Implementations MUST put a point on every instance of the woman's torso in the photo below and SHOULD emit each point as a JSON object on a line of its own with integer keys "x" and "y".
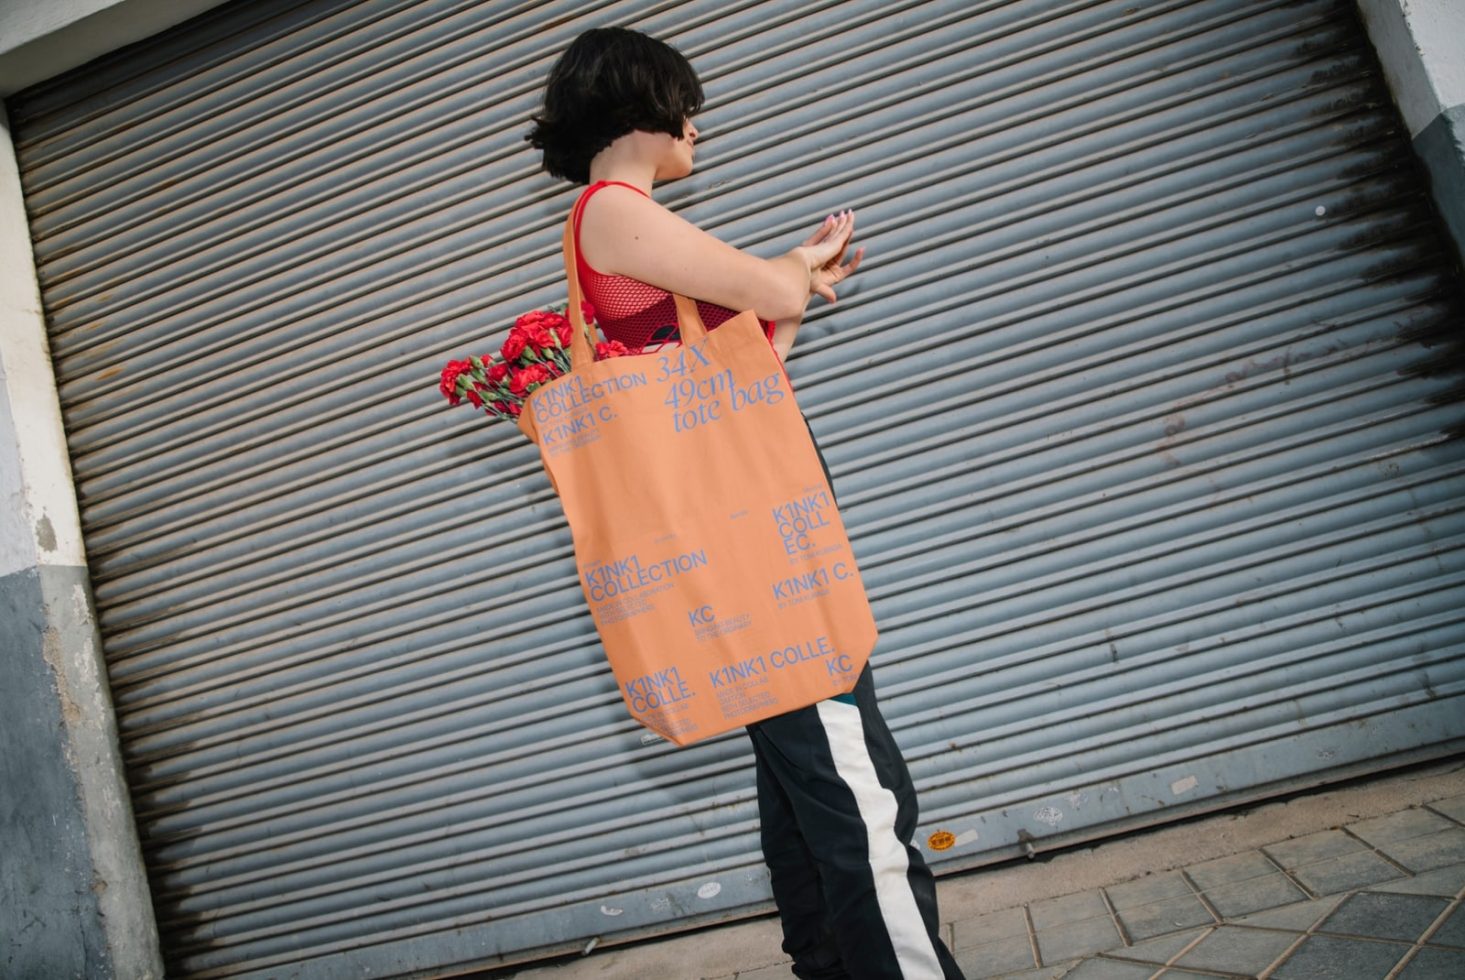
{"x": 636, "y": 313}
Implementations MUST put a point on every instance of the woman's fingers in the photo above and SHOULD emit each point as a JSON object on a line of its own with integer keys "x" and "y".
{"x": 829, "y": 275}
{"x": 835, "y": 237}
{"x": 838, "y": 225}
{"x": 827, "y": 247}
{"x": 819, "y": 232}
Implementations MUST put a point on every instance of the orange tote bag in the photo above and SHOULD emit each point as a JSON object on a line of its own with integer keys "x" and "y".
{"x": 708, "y": 544}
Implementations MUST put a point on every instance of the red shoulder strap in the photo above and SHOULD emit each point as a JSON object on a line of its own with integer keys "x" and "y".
{"x": 579, "y": 209}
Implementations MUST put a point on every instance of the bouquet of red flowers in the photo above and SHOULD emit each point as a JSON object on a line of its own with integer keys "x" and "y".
{"x": 536, "y": 352}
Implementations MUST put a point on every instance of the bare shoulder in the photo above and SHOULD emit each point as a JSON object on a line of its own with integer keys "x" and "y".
{"x": 617, "y": 220}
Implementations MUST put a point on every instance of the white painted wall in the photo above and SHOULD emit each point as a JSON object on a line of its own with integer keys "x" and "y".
{"x": 1422, "y": 46}
{"x": 22, "y": 21}
{"x": 42, "y": 38}
{"x": 39, "y": 521}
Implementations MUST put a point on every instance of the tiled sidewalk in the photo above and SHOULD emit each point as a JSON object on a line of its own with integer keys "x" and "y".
{"x": 1360, "y": 880}
{"x": 1375, "y": 899}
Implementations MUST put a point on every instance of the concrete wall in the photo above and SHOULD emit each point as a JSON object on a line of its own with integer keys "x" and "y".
{"x": 42, "y": 38}
{"x": 1421, "y": 44}
{"x": 74, "y": 898}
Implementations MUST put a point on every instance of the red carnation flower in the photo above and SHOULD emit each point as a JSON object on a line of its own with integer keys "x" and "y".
{"x": 449, "y": 384}
{"x": 546, "y": 330}
{"x": 611, "y": 348}
{"x": 515, "y": 344}
{"x": 526, "y": 379}
{"x": 542, "y": 337}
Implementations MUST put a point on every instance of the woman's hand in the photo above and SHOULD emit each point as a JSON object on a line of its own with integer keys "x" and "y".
{"x": 825, "y": 251}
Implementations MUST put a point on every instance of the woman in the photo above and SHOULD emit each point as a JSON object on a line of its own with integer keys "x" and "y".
{"x": 835, "y": 800}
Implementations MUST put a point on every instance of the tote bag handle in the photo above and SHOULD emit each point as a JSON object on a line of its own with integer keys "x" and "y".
{"x": 689, "y": 321}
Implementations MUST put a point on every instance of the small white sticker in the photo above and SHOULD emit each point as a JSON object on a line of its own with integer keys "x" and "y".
{"x": 710, "y": 890}
{"x": 1184, "y": 785}
{"x": 965, "y": 837}
{"x": 1319, "y": 210}
{"x": 608, "y": 910}
{"x": 1049, "y": 815}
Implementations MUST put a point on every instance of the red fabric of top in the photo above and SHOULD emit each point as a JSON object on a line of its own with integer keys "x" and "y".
{"x": 636, "y": 313}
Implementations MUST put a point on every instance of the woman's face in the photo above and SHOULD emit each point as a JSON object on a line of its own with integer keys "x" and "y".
{"x": 678, "y": 155}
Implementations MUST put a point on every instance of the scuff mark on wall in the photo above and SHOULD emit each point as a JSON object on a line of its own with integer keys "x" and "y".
{"x": 45, "y": 534}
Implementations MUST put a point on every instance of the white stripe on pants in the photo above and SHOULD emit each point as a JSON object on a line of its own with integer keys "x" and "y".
{"x": 888, "y": 863}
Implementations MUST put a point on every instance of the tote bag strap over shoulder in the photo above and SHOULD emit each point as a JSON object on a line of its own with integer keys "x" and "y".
{"x": 581, "y": 351}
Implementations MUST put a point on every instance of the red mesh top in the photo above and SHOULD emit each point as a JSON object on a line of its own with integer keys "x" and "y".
{"x": 636, "y": 313}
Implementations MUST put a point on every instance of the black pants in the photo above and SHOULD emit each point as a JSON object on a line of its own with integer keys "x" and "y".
{"x": 838, "y": 812}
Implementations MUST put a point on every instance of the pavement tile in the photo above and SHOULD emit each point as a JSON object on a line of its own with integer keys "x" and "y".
{"x": 1174, "y": 974}
{"x": 1331, "y": 958}
{"x": 1445, "y": 882}
{"x": 1346, "y": 873}
{"x": 1298, "y": 918}
{"x": 1151, "y": 888}
{"x": 1413, "y": 822}
{"x": 1099, "y": 968}
{"x": 1385, "y": 916}
{"x": 1262, "y": 892}
{"x": 992, "y": 959}
{"x": 1237, "y": 949}
{"x": 1435, "y": 964}
{"x": 1068, "y": 940}
{"x": 1452, "y": 933}
{"x": 1429, "y": 851}
{"x": 1454, "y": 808}
{"x": 990, "y": 928}
{"x": 1068, "y": 908}
{"x": 1312, "y": 848}
{"x": 1161, "y": 949}
{"x": 779, "y": 971}
{"x": 1246, "y": 866}
{"x": 1050, "y": 972}
{"x": 1166, "y": 915}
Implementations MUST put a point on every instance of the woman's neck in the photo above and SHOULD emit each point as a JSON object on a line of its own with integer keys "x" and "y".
{"x": 624, "y": 161}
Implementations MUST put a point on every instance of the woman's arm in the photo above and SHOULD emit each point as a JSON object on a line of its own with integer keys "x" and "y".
{"x": 784, "y": 332}
{"x": 625, "y": 233}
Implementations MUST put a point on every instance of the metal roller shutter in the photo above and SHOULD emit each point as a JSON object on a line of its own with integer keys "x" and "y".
{"x": 1143, "y": 415}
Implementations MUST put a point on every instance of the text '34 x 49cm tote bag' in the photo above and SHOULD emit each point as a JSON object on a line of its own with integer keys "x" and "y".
{"x": 708, "y": 543}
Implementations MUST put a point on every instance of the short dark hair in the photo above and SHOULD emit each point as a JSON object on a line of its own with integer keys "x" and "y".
{"x": 608, "y": 82}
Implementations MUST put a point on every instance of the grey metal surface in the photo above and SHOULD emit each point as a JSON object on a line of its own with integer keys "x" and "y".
{"x": 1143, "y": 415}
